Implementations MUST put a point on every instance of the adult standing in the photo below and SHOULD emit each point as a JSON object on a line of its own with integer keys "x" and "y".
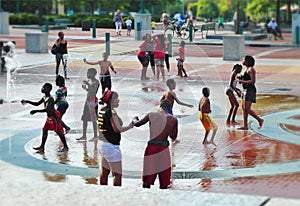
{"x": 61, "y": 52}
{"x": 221, "y": 22}
{"x": 274, "y": 28}
{"x": 248, "y": 79}
{"x": 167, "y": 56}
{"x": 110, "y": 129}
{"x": 157, "y": 159}
{"x": 190, "y": 17}
{"x": 164, "y": 19}
{"x": 159, "y": 55}
{"x": 118, "y": 22}
{"x": 150, "y": 51}
{"x": 144, "y": 57}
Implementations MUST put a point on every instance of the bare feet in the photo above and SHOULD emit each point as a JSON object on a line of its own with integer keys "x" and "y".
{"x": 228, "y": 123}
{"x": 205, "y": 142}
{"x": 68, "y": 129}
{"x": 64, "y": 149}
{"x": 235, "y": 123}
{"x": 93, "y": 139}
{"x": 41, "y": 151}
{"x": 261, "y": 122}
{"x": 243, "y": 128}
{"x": 81, "y": 139}
{"x": 38, "y": 148}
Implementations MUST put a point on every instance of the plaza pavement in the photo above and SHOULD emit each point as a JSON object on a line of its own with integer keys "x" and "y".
{"x": 255, "y": 167}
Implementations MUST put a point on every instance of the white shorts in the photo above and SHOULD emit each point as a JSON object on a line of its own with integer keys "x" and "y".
{"x": 111, "y": 152}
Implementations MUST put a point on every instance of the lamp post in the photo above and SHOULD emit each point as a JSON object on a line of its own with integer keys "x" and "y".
{"x": 142, "y": 11}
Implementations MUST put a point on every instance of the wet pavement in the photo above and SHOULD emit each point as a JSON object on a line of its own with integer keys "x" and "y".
{"x": 254, "y": 162}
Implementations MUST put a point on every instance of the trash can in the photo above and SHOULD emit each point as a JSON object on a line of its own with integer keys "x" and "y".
{"x": 86, "y": 25}
{"x": 241, "y": 29}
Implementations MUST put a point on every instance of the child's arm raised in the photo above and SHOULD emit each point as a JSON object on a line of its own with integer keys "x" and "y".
{"x": 23, "y": 101}
{"x": 180, "y": 102}
{"x": 48, "y": 109}
{"x": 91, "y": 63}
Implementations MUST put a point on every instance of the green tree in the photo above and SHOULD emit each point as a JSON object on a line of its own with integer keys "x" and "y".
{"x": 207, "y": 9}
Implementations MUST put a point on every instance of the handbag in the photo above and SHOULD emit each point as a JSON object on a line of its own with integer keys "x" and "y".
{"x": 53, "y": 49}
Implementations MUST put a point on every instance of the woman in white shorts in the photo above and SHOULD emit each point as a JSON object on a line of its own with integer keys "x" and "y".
{"x": 110, "y": 128}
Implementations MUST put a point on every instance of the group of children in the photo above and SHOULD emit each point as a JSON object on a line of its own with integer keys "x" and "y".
{"x": 155, "y": 50}
{"x": 54, "y": 116}
{"x": 107, "y": 120}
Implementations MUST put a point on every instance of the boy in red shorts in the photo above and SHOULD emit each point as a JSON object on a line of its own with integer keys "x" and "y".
{"x": 53, "y": 121}
{"x": 157, "y": 159}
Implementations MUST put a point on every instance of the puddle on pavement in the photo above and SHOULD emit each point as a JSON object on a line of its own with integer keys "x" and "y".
{"x": 235, "y": 148}
{"x": 275, "y": 103}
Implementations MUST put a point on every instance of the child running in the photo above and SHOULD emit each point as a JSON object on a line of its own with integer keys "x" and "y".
{"x": 53, "y": 121}
{"x": 207, "y": 122}
{"x": 91, "y": 104}
{"x": 128, "y": 23}
{"x": 180, "y": 59}
{"x": 104, "y": 71}
{"x": 61, "y": 100}
{"x": 229, "y": 91}
{"x": 171, "y": 96}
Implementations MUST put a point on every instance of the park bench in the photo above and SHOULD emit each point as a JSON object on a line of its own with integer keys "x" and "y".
{"x": 63, "y": 22}
{"x": 206, "y": 27}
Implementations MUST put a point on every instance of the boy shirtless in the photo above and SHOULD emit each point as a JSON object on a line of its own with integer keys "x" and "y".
{"x": 171, "y": 96}
{"x": 104, "y": 71}
{"x": 90, "y": 110}
{"x": 53, "y": 121}
{"x": 207, "y": 122}
{"x": 157, "y": 159}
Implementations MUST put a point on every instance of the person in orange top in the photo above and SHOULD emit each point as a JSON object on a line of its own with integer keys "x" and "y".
{"x": 180, "y": 59}
{"x": 207, "y": 122}
{"x": 171, "y": 96}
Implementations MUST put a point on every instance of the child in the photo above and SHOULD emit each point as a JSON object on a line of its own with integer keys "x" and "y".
{"x": 171, "y": 96}
{"x": 207, "y": 122}
{"x": 91, "y": 104}
{"x": 229, "y": 91}
{"x": 180, "y": 59}
{"x": 61, "y": 101}
{"x": 53, "y": 121}
{"x": 104, "y": 71}
{"x": 143, "y": 56}
{"x": 128, "y": 23}
{"x": 159, "y": 55}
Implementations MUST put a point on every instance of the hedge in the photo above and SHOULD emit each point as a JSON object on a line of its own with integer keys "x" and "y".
{"x": 102, "y": 21}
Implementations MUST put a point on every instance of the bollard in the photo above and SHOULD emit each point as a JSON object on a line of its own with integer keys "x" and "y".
{"x": 297, "y": 34}
{"x": 46, "y": 27}
{"x": 94, "y": 28}
{"x": 107, "y": 43}
{"x": 191, "y": 32}
{"x": 138, "y": 31}
{"x": 170, "y": 44}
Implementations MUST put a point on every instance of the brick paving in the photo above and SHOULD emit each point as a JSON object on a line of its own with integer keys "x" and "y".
{"x": 278, "y": 68}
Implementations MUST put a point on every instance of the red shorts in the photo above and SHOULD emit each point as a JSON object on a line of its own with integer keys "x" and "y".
{"x": 54, "y": 124}
{"x": 157, "y": 161}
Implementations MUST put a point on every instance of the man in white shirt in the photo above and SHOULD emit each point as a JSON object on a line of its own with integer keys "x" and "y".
{"x": 275, "y": 30}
